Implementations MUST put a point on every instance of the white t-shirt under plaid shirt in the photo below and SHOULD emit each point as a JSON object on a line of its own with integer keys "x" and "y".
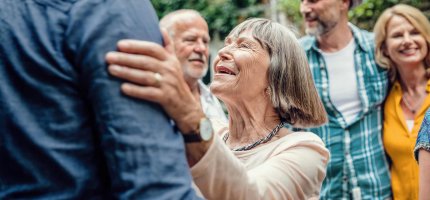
{"x": 358, "y": 166}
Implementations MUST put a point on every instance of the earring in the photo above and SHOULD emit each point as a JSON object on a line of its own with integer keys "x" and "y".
{"x": 268, "y": 91}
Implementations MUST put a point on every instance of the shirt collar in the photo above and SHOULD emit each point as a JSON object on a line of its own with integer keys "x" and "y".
{"x": 396, "y": 85}
{"x": 204, "y": 91}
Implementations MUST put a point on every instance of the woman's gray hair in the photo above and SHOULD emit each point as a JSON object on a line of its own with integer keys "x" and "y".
{"x": 292, "y": 90}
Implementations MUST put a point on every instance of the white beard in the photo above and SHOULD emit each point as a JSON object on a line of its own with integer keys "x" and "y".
{"x": 194, "y": 74}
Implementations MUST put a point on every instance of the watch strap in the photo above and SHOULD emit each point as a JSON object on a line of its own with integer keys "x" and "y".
{"x": 191, "y": 138}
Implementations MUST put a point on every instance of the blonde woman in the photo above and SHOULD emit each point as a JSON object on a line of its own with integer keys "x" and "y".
{"x": 402, "y": 36}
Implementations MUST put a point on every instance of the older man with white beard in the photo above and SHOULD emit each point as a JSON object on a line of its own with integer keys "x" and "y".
{"x": 190, "y": 36}
{"x": 352, "y": 87}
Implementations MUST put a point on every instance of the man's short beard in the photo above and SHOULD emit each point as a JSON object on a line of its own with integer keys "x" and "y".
{"x": 316, "y": 31}
{"x": 321, "y": 29}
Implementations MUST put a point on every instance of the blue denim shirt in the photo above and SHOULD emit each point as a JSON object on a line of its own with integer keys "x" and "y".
{"x": 423, "y": 140}
{"x": 66, "y": 131}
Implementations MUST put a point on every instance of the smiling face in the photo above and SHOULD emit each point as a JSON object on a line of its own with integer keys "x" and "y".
{"x": 191, "y": 41}
{"x": 404, "y": 44}
{"x": 241, "y": 64}
{"x": 321, "y": 16}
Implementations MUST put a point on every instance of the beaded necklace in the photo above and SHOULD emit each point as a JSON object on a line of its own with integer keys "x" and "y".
{"x": 258, "y": 142}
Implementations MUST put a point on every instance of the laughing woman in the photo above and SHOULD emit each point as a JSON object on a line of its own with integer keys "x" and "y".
{"x": 263, "y": 77}
{"x": 402, "y": 35}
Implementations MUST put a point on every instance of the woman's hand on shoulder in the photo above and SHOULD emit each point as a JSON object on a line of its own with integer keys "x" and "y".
{"x": 154, "y": 73}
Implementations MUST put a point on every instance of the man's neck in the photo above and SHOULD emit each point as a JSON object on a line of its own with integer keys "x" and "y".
{"x": 195, "y": 88}
{"x": 336, "y": 39}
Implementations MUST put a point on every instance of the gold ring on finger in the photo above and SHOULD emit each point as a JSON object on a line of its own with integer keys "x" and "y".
{"x": 158, "y": 78}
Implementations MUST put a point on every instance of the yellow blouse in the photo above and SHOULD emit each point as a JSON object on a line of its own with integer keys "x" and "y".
{"x": 399, "y": 144}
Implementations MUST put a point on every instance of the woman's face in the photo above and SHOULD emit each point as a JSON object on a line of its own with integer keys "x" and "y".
{"x": 405, "y": 45}
{"x": 240, "y": 68}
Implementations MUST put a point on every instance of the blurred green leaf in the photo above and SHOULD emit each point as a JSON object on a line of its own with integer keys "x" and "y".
{"x": 221, "y": 15}
{"x": 364, "y": 16}
{"x": 224, "y": 15}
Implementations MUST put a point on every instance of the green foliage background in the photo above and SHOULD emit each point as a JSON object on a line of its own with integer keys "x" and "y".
{"x": 223, "y": 15}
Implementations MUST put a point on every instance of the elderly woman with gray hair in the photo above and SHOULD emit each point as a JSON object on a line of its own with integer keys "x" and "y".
{"x": 263, "y": 78}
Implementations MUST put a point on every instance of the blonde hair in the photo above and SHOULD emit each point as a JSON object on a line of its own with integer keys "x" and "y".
{"x": 416, "y": 18}
{"x": 292, "y": 90}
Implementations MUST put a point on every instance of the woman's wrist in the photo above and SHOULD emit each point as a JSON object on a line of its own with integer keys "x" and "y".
{"x": 190, "y": 122}
{"x": 196, "y": 151}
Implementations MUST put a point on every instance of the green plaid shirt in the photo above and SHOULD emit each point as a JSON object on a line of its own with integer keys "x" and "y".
{"x": 358, "y": 161}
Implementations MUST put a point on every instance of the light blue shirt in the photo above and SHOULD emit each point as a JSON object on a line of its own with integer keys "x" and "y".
{"x": 210, "y": 104}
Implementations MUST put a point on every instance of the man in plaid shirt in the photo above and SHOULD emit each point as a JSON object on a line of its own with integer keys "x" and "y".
{"x": 352, "y": 87}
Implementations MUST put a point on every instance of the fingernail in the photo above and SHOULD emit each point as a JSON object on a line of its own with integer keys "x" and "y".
{"x": 115, "y": 68}
{"x": 111, "y": 56}
{"x": 123, "y": 44}
{"x": 126, "y": 88}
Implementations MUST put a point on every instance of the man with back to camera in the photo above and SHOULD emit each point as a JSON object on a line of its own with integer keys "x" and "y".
{"x": 352, "y": 87}
{"x": 190, "y": 36}
{"x": 66, "y": 131}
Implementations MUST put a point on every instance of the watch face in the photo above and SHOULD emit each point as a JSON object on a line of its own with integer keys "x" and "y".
{"x": 206, "y": 129}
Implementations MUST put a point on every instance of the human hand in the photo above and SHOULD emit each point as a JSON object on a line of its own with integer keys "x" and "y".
{"x": 155, "y": 75}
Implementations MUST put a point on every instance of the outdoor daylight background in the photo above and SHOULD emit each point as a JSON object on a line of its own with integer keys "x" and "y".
{"x": 223, "y": 15}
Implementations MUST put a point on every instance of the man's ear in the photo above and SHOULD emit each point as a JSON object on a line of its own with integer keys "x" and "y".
{"x": 346, "y": 4}
{"x": 168, "y": 41}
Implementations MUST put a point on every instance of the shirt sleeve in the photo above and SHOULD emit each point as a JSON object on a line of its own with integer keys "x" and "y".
{"x": 423, "y": 140}
{"x": 145, "y": 157}
{"x": 296, "y": 171}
